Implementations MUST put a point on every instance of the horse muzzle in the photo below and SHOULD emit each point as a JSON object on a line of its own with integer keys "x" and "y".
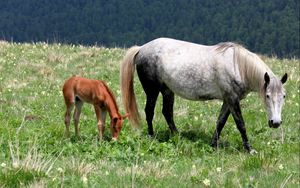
{"x": 274, "y": 124}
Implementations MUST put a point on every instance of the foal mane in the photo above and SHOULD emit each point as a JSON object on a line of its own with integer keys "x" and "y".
{"x": 250, "y": 66}
{"x": 110, "y": 93}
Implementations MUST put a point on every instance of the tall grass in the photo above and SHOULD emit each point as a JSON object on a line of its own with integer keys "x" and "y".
{"x": 35, "y": 153}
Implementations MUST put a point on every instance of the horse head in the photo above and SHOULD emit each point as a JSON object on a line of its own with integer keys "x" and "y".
{"x": 274, "y": 95}
{"x": 116, "y": 126}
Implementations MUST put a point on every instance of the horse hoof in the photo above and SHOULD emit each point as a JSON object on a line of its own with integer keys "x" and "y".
{"x": 150, "y": 136}
{"x": 214, "y": 143}
{"x": 253, "y": 152}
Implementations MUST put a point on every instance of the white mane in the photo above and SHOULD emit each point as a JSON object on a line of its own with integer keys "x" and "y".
{"x": 251, "y": 67}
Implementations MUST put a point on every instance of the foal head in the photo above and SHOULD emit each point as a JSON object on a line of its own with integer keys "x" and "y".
{"x": 116, "y": 126}
{"x": 274, "y": 95}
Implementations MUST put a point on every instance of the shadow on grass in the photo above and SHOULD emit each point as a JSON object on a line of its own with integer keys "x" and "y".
{"x": 193, "y": 136}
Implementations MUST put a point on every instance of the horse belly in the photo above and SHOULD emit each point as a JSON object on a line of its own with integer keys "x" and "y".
{"x": 208, "y": 91}
{"x": 192, "y": 84}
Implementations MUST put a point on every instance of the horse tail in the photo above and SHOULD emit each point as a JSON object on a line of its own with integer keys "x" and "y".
{"x": 126, "y": 82}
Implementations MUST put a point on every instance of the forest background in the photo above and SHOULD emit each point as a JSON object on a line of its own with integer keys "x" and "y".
{"x": 263, "y": 26}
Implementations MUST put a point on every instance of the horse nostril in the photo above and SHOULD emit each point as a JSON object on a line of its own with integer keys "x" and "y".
{"x": 271, "y": 121}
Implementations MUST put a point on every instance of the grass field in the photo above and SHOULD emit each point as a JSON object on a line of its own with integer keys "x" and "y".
{"x": 35, "y": 153}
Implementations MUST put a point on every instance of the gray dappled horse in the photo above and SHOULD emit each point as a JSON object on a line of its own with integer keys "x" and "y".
{"x": 225, "y": 71}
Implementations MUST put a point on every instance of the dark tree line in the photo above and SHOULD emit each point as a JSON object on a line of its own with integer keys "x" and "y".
{"x": 263, "y": 26}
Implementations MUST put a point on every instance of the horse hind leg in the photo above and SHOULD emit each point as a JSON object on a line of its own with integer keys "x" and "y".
{"x": 69, "y": 107}
{"x": 167, "y": 110}
{"x": 78, "y": 106}
{"x": 149, "y": 109}
{"x": 151, "y": 86}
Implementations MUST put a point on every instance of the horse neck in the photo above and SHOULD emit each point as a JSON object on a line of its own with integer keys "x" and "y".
{"x": 111, "y": 104}
{"x": 252, "y": 70}
{"x": 256, "y": 83}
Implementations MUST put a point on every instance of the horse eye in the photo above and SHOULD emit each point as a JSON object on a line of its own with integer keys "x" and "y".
{"x": 268, "y": 96}
{"x": 283, "y": 96}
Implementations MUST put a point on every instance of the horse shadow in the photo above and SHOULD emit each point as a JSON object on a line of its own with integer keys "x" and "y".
{"x": 190, "y": 135}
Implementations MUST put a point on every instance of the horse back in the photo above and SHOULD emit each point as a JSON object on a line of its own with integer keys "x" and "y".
{"x": 192, "y": 71}
{"x": 87, "y": 90}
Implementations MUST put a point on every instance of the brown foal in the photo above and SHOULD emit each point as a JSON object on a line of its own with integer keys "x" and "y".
{"x": 78, "y": 90}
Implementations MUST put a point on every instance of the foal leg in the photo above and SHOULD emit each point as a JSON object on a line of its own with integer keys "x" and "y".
{"x": 69, "y": 101}
{"x": 149, "y": 109}
{"x": 103, "y": 119}
{"x": 236, "y": 112}
{"x": 220, "y": 124}
{"x": 78, "y": 106}
{"x": 168, "y": 104}
{"x": 68, "y": 117}
{"x": 100, "y": 121}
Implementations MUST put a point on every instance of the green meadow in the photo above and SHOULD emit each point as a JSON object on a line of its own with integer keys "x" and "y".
{"x": 35, "y": 153}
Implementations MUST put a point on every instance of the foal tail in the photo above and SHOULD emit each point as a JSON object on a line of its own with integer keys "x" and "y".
{"x": 126, "y": 82}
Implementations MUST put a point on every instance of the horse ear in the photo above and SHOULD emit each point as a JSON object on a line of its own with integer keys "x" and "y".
{"x": 284, "y": 78}
{"x": 267, "y": 79}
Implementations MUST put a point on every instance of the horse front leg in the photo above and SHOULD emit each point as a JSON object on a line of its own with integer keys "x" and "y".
{"x": 236, "y": 112}
{"x": 103, "y": 120}
{"x": 224, "y": 113}
{"x": 100, "y": 121}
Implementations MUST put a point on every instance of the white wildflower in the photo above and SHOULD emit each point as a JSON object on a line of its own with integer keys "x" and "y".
{"x": 206, "y": 182}
{"x": 15, "y": 164}
{"x": 60, "y": 170}
{"x": 84, "y": 179}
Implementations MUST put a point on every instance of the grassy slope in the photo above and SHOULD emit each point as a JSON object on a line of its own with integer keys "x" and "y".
{"x": 35, "y": 153}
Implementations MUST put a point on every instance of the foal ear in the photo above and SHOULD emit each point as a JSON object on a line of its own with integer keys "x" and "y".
{"x": 125, "y": 116}
{"x": 115, "y": 119}
{"x": 284, "y": 78}
{"x": 267, "y": 79}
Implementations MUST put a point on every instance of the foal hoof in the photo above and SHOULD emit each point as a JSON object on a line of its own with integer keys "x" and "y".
{"x": 253, "y": 152}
